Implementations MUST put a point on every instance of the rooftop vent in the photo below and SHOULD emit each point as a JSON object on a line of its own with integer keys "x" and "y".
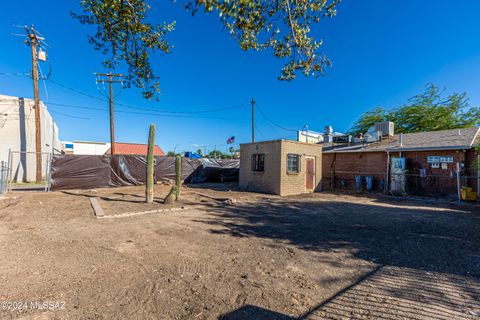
{"x": 386, "y": 128}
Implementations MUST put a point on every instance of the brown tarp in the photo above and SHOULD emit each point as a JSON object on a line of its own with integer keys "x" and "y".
{"x": 80, "y": 172}
{"x": 128, "y": 170}
{"x": 88, "y": 171}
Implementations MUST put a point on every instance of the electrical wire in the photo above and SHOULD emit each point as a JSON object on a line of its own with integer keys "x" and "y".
{"x": 44, "y": 83}
{"x": 13, "y": 74}
{"x": 183, "y": 112}
{"x": 74, "y": 116}
{"x": 271, "y": 121}
{"x": 147, "y": 109}
{"x": 77, "y": 91}
{"x": 144, "y": 113}
{"x": 257, "y": 129}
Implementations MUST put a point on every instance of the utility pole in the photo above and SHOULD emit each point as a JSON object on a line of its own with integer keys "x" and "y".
{"x": 33, "y": 41}
{"x": 110, "y": 77}
{"x": 253, "y": 120}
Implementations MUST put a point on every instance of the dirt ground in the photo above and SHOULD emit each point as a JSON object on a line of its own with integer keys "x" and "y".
{"x": 319, "y": 256}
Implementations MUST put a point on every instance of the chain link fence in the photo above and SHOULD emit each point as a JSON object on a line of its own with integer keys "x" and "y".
{"x": 446, "y": 186}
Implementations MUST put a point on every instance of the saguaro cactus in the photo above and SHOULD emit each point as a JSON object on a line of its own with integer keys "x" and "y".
{"x": 178, "y": 174}
{"x": 151, "y": 145}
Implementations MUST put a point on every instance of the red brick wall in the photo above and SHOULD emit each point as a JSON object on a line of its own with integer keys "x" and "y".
{"x": 349, "y": 165}
{"x": 441, "y": 182}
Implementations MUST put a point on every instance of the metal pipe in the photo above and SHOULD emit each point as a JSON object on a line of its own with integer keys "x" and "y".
{"x": 387, "y": 173}
{"x": 478, "y": 176}
{"x": 2, "y": 177}
{"x": 9, "y": 168}
{"x": 459, "y": 183}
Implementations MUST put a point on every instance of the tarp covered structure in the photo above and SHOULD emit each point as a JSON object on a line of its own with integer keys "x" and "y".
{"x": 91, "y": 171}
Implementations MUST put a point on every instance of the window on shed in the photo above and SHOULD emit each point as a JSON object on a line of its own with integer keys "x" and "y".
{"x": 293, "y": 163}
{"x": 258, "y": 162}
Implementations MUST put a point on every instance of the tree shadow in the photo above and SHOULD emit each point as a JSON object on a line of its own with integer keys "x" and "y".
{"x": 397, "y": 236}
{"x": 249, "y": 312}
{"x": 427, "y": 262}
{"x": 141, "y": 199}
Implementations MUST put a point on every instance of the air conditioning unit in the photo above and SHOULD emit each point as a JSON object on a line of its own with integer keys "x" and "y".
{"x": 386, "y": 128}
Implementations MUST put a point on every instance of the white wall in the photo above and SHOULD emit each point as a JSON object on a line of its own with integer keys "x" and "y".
{"x": 90, "y": 147}
{"x": 17, "y": 133}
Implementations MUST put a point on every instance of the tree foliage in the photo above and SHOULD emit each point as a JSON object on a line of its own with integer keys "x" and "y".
{"x": 173, "y": 154}
{"x": 284, "y": 26}
{"x": 430, "y": 110}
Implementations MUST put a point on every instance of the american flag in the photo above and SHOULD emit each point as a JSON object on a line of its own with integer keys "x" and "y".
{"x": 231, "y": 140}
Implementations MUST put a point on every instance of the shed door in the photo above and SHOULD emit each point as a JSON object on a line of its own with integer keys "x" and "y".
{"x": 310, "y": 177}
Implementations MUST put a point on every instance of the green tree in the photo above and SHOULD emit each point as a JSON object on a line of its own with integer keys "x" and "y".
{"x": 282, "y": 26}
{"x": 368, "y": 119}
{"x": 215, "y": 154}
{"x": 200, "y": 152}
{"x": 430, "y": 110}
{"x": 172, "y": 154}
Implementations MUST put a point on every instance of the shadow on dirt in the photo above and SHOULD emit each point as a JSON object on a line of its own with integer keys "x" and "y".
{"x": 404, "y": 237}
{"x": 406, "y": 244}
{"x": 116, "y": 197}
{"x": 249, "y": 312}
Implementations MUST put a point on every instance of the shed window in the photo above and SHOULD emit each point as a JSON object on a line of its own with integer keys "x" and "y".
{"x": 258, "y": 162}
{"x": 293, "y": 163}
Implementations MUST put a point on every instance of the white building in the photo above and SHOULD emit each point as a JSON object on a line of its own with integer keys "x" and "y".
{"x": 86, "y": 147}
{"x": 17, "y": 134}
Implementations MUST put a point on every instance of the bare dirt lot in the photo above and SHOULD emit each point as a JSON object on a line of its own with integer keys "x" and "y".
{"x": 319, "y": 256}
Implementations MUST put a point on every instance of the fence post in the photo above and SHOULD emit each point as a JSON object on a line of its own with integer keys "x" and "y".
{"x": 9, "y": 168}
{"x": 478, "y": 177}
{"x": 2, "y": 177}
{"x": 459, "y": 193}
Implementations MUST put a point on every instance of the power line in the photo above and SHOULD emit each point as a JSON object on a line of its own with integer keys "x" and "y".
{"x": 272, "y": 122}
{"x": 77, "y": 91}
{"x": 260, "y": 132}
{"x": 184, "y": 112}
{"x": 73, "y": 116}
{"x": 144, "y": 113}
{"x": 147, "y": 109}
{"x": 13, "y": 74}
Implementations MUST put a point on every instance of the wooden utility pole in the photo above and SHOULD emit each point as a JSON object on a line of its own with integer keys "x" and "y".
{"x": 33, "y": 41}
{"x": 253, "y": 120}
{"x": 110, "y": 78}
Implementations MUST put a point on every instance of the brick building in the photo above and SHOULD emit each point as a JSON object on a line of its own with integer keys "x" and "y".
{"x": 281, "y": 167}
{"x": 431, "y": 160}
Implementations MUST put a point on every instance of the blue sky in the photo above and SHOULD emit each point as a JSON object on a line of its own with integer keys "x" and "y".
{"x": 383, "y": 52}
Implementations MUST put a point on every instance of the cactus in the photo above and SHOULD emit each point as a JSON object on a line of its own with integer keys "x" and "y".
{"x": 151, "y": 144}
{"x": 178, "y": 174}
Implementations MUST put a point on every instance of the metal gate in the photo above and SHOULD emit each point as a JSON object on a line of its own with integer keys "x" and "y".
{"x": 20, "y": 172}
{"x": 3, "y": 177}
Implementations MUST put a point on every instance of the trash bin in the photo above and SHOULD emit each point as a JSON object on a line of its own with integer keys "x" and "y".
{"x": 369, "y": 182}
{"x": 467, "y": 194}
{"x": 358, "y": 183}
